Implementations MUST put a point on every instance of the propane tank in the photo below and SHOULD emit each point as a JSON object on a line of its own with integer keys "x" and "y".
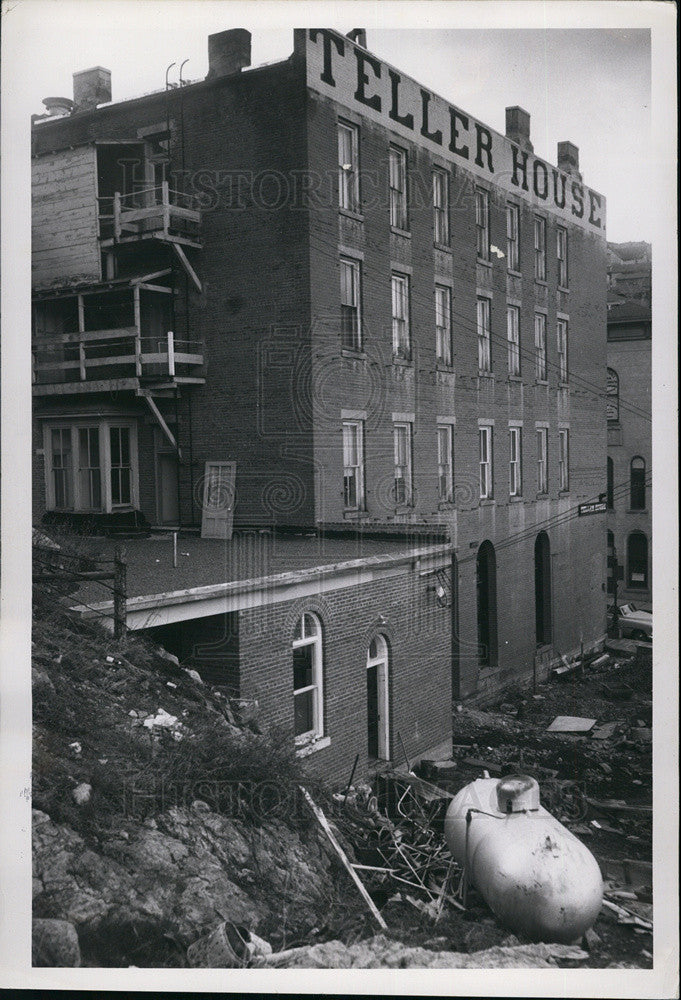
{"x": 535, "y": 876}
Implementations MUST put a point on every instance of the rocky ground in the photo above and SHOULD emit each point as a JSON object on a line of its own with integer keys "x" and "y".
{"x": 149, "y": 837}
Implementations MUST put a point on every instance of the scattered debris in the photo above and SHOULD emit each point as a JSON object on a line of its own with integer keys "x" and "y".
{"x": 570, "y": 724}
{"x": 162, "y": 719}
{"x": 81, "y": 794}
{"x": 229, "y": 946}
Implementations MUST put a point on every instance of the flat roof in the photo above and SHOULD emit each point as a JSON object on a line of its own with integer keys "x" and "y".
{"x": 249, "y": 556}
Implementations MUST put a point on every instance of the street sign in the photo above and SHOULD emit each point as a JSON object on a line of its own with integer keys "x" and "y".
{"x": 591, "y": 508}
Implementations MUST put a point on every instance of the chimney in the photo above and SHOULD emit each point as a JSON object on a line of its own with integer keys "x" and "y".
{"x": 568, "y": 159}
{"x": 358, "y": 36}
{"x": 518, "y": 127}
{"x": 228, "y": 52}
{"x": 56, "y": 107}
{"x": 90, "y": 88}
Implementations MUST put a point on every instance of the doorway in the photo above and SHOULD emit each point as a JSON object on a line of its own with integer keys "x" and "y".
{"x": 167, "y": 509}
{"x": 378, "y": 728}
{"x": 542, "y": 588}
{"x": 487, "y": 605}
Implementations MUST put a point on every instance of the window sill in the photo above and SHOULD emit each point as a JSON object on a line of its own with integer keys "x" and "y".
{"x": 348, "y": 352}
{"x": 563, "y": 385}
{"x": 400, "y": 232}
{"x": 487, "y": 502}
{"x": 563, "y": 494}
{"x": 542, "y": 282}
{"x": 441, "y": 366}
{"x": 314, "y": 744}
{"x": 515, "y": 378}
{"x": 403, "y": 362}
{"x": 483, "y": 262}
{"x": 485, "y": 374}
{"x": 516, "y": 498}
{"x": 542, "y": 496}
{"x": 562, "y": 288}
{"x": 350, "y": 214}
{"x": 445, "y": 247}
{"x": 637, "y": 510}
{"x": 541, "y": 381}
{"x": 354, "y": 512}
{"x": 446, "y": 505}
{"x": 514, "y": 273}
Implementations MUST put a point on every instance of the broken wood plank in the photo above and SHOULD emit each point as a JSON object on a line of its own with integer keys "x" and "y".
{"x": 610, "y": 805}
{"x": 324, "y": 823}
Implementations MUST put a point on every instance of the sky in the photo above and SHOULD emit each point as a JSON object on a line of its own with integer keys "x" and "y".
{"x": 590, "y": 86}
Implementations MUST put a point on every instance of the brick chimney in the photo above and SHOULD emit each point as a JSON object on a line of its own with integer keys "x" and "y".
{"x": 568, "y": 159}
{"x": 518, "y": 127}
{"x": 228, "y": 52}
{"x": 90, "y": 88}
{"x": 358, "y": 36}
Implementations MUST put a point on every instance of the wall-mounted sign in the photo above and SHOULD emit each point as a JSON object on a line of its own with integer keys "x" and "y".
{"x": 352, "y": 76}
{"x": 597, "y": 507}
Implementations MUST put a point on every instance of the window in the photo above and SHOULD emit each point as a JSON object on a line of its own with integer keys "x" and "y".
{"x": 348, "y": 167}
{"x": 486, "y": 593}
{"x": 482, "y": 223}
{"x": 398, "y": 188}
{"x": 351, "y": 337}
{"x": 353, "y": 464}
{"x": 515, "y": 465}
{"x": 400, "y": 316}
{"x": 512, "y": 236}
{"x": 637, "y": 560}
{"x": 307, "y": 678}
{"x": 638, "y": 483}
{"x": 90, "y": 467}
{"x": 540, "y": 346}
{"x": 378, "y": 701}
{"x": 445, "y": 463}
{"x": 485, "y": 449}
{"x": 612, "y": 396}
{"x": 61, "y": 467}
{"x": 403, "y": 475}
{"x": 610, "y": 484}
{"x": 539, "y": 248}
{"x": 542, "y": 460}
{"x": 563, "y": 460}
{"x": 513, "y": 336}
{"x": 443, "y": 325}
{"x": 441, "y": 207}
{"x": 562, "y": 253}
{"x": 89, "y": 470}
{"x": 562, "y": 339}
{"x": 484, "y": 357}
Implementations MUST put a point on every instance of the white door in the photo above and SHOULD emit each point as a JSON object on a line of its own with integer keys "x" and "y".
{"x": 217, "y": 513}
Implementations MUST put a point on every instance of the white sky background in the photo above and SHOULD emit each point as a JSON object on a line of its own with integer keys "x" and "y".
{"x": 589, "y": 86}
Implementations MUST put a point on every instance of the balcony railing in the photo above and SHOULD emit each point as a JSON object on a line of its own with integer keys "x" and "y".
{"x": 149, "y": 212}
{"x": 113, "y": 354}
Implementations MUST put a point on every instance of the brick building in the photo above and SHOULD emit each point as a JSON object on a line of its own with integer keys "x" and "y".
{"x": 387, "y": 319}
{"x": 629, "y": 517}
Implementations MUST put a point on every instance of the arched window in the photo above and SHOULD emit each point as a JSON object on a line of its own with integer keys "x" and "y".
{"x": 542, "y": 589}
{"x": 487, "y": 605}
{"x": 637, "y": 480}
{"x": 610, "y": 485}
{"x": 637, "y": 560}
{"x": 307, "y": 678}
{"x": 378, "y": 699}
{"x": 612, "y": 394}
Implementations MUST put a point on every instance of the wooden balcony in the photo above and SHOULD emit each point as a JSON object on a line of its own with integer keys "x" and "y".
{"x": 151, "y": 213}
{"x": 103, "y": 360}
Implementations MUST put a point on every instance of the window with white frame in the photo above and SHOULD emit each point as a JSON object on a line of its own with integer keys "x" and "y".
{"x": 515, "y": 462}
{"x": 402, "y": 436}
{"x": 542, "y": 460}
{"x": 539, "y": 248}
{"x": 486, "y": 468}
{"x": 512, "y": 236}
{"x": 351, "y": 337}
{"x": 348, "y": 167}
{"x": 445, "y": 462}
{"x": 353, "y": 464}
{"x": 513, "y": 337}
{"x": 307, "y": 678}
{"x": 562, "y": 343}
{"x": 563, "y": 459}
{"x": 441, "y": 206}
{"x": 443, "y": 324}
{"x": 562, "y": 254}
{"x": 540, "y": 346}
{"x": 399, "y": 286}
{"x": 90, "y": 466}
{"x": 482, "y": 223}
{"x": 398, "y": 187}
{"x": 483, "y": 318}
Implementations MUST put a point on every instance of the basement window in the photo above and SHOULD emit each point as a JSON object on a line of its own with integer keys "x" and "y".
{"x": 307, "y": 679}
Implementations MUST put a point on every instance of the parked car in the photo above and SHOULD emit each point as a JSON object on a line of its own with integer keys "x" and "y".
{"x": 631, "y": 621}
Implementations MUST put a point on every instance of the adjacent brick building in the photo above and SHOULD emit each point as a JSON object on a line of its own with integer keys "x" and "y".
{"x": 629, "y": 517}
{"x": 386, "y": 319}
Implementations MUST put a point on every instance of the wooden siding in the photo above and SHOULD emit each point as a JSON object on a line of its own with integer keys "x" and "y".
{"x": 64, "y": 231}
